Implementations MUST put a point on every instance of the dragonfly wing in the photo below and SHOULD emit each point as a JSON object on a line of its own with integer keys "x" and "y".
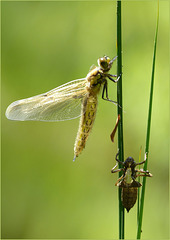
{"x": 59, "y": 104}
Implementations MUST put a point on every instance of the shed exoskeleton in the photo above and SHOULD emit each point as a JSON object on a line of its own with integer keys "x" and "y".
{"x": 128, "y": 181}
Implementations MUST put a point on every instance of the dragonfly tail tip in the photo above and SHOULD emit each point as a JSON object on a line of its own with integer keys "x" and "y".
{"x": 74, "y": 158}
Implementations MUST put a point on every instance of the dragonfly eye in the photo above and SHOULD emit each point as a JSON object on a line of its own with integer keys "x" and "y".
{"x": 104, "y": 65}
{"x": 104, "y": 62}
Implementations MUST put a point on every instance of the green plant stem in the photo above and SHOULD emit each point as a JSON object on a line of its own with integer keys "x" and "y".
{"x": 148, "y": 134}
{"x": 138, "y": 204}
{"x": 119, "y": 109}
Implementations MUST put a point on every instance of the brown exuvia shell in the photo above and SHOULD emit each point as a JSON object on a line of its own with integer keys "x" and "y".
{"x": 129, "y": 193}
{"x": 128, "y": 197}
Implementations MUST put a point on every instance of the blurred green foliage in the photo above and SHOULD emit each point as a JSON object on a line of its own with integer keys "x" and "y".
{"x": 45, "y": 194}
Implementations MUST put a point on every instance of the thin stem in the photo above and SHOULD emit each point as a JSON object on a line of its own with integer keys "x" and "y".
{"x": 119, "y": 109}
{"x": 148, "y": 133}
{"x": 138, "y": 203}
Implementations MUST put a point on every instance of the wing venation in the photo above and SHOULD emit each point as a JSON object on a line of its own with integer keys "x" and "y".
{"x": 59, "y": 104}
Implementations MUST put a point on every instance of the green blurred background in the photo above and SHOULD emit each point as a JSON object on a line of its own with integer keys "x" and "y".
{"x": 44, "y": 193}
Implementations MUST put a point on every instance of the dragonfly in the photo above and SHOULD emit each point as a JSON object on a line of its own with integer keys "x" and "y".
{"x": 77, "y": 98}
{"x": 127, "y": 181}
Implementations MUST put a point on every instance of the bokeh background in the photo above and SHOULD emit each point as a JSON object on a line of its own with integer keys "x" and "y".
{"x": 44, "y": 193}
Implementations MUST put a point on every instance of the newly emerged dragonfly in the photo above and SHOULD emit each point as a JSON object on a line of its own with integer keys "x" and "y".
{"x": 68, "y": 101}
{"x": 127, "y": 181}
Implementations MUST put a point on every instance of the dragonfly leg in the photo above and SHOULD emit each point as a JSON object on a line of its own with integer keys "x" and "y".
{"x": 133, "y": 177}
{"x": 117, "y": 170}
{"x": 110, "y": 76}
{"x": 114, "y": 167}
{"x": 118, "y": 159}
{"x": 105, "y": 91}
{"x": 146, "y": 173}
{"x": 140, "y": 163}
{"x": 119, "y": 179}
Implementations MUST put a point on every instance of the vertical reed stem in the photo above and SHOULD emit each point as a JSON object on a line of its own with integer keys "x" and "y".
{"x": 119, "y": 109}
{"x": 148, "y": 134}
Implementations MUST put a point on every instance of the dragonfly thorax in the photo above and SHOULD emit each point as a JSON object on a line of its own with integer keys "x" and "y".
{"x": 94, "y": 80}
{"x": 128, "y": 175}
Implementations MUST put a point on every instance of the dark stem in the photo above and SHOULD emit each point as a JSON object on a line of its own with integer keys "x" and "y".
{"x": 119, "y": 109}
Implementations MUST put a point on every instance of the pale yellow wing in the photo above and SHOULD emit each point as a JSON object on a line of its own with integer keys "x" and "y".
{"x": 59, "y": 104}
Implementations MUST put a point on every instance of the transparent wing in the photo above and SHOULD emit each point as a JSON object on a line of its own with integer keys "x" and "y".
{"x": 59, "y": 104}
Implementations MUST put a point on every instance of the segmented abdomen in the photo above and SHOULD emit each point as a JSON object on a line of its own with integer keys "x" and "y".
{"x": 128, "y": 197}
{"x": 89, "y": 107}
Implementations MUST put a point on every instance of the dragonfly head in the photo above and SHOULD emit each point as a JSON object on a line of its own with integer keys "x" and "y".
{"x": 105, "y": 63}
{"x": 130, "y": 163}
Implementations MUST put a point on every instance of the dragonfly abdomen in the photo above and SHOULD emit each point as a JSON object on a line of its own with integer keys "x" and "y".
{"x": 89, "y": 108}
{"x": 128, "y": 197}
{"x": 129, "y": 193}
